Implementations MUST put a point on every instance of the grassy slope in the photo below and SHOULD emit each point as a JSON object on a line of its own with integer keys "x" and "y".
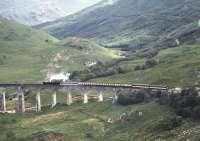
{"x": 27, "y": 55}
{"x": 77, "y": 121}
{"x": 79, "y": 51}
{"x": 178, "y": 67}
{"x": 21, "y": 51}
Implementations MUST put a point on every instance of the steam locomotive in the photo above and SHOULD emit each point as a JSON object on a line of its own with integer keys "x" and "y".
{"x": 52, "y": 82}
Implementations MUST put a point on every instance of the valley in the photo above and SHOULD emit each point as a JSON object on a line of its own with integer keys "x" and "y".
{"x": 167, "y": 71}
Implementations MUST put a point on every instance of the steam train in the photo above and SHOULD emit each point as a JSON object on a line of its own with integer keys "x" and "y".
{"x": 59, "y": 82}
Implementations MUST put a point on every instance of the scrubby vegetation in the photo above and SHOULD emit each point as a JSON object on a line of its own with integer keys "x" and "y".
{"x": 130, "y": 98}
{"x": 148, "y": 64}
{"x": 99, "y": 70}
{"x": 169, "y": 123}
{"x": 185, "y": 104}
{"x": 89, "y": 123}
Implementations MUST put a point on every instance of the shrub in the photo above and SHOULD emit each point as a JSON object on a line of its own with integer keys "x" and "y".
{"x": 163, "y": 99}
{"x": 150, "y": 63}
{"x": 170, "y": 123}
{"x": 140, "y": 67}
{"x": 186, "y": 104}
{"x": 148, "y": 53}
{"x": 131, "y": 98}
{"x": 196, "y": 112}
{"x": 185, "y": 112}
{"x": 46, "y": 108}
{"x": 99, "y": 70}
{"x": 74, "y": 74}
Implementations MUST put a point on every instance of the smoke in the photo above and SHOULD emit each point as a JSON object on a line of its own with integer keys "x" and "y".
{"x": 58, "y": 77}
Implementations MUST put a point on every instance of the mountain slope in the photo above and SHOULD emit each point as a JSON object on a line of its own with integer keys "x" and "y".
{"x": 136, "y": 23}
{"x": 33, "y": 11}
{"x": 29, "y": 55}
{"x": 176, "y": 67}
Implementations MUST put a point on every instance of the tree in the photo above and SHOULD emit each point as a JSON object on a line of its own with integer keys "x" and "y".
{"x": 131, "y": 98}
{"x": 170, "y": 123}
{"x": 186, "y": 104}
{"x": 150, "y": 63}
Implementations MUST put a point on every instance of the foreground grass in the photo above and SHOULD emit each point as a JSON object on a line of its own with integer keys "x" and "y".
{"x": 78, "y": 121}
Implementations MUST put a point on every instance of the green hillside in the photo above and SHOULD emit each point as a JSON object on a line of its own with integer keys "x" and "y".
{"x": 28, "y": 55}
{"x": 175, "y": 67}
{"x": 79, "y": 53}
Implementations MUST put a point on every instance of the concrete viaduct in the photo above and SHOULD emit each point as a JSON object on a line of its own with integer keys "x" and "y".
{"x": 83, "y": 86}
